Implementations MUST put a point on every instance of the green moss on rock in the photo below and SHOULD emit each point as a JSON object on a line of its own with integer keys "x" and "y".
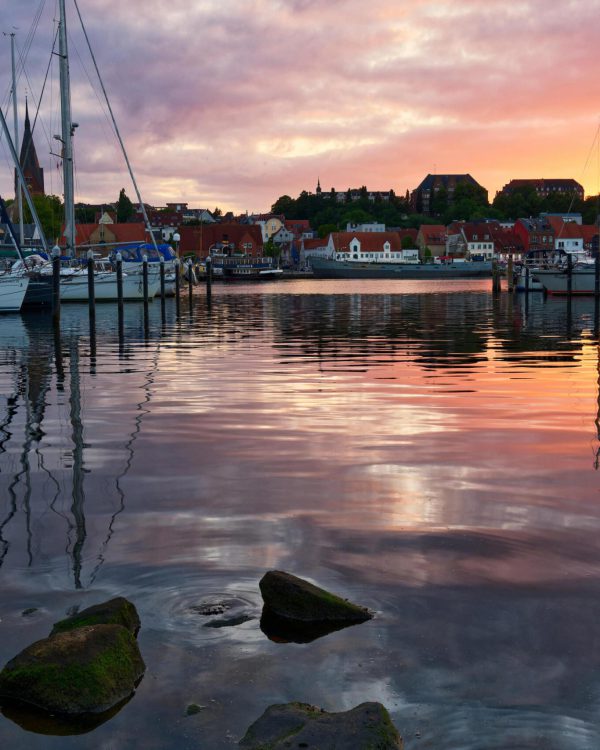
{"x": 118, "y": 611}
{"x": 365, "y": 727}
{"x": 291, "y": 597}
{"x": 86, "y": 670}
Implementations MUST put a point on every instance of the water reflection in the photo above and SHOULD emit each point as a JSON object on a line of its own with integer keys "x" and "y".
{"x": 432, "y": 454}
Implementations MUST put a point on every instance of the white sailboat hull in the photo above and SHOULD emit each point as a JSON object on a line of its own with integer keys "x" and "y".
{"x": 74, "y": 287}
{"x": 12, "y": 292}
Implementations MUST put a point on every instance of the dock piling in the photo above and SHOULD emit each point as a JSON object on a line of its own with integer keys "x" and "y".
{"x": 120, "y": 288}
{"x": 56, "y": 285}
{"x": 91, "y": 287}
{"x": 208, "y": 278}
{"x": 177, "y": 286}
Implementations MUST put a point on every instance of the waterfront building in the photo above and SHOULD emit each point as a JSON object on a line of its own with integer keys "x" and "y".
{"x": 368, "y": 246}
{"x": 221, "y": 239}
{"x": 432, "y": 238}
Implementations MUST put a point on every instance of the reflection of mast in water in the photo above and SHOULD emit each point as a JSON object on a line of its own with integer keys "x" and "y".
{"x": 12, "y": 409}
{"x": 597, "y": 420}
{"x": 78, "y": 470}
{"x": 129, "y": 448}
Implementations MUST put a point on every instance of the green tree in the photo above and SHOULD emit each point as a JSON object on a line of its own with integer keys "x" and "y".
{"x": 125, "y": 209}
{"x": 284, "y": 205}
{"x": 270, "y": 249}
{"x": 326, "y": 229}
{"x": 49, "y": 208}
{"x": 408, "y": 243}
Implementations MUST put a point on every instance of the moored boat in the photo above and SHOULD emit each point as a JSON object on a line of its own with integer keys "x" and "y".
{"x": 329, "y": 268}
{"x": 556, "y": 280}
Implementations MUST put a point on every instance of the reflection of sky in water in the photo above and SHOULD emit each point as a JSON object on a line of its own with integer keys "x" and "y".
{"x": 429, "y": 455}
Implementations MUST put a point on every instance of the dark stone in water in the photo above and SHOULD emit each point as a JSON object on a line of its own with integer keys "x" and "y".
{"x": 29, "y": 611}
{"x": 193, "y": 709}
{"x": 118, "y": 611}
{"x": 293, "y": 598}
{"x": 207, "y": 610}
{"x": 229, "y": 622}
{"x": 296, "y": 725}
{"x": 86, "y": 670}
{"x": 35, "y": 720}
{"x": 282, "y": 630}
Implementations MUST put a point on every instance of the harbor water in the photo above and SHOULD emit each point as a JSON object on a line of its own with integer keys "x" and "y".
{"x": 427, "y": 450}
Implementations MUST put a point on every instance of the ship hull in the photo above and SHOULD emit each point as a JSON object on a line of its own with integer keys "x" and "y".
{"x": 324, "y": 268}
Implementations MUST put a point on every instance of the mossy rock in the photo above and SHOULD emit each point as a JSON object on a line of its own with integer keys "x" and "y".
{"x": 86, "y": 670}
{"x": 118, "y": 611}
{"x": 365, "y": 727}
{"x": 293, "y": 598}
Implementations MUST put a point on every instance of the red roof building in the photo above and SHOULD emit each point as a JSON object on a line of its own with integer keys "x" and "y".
{"x": 227, "y": 239}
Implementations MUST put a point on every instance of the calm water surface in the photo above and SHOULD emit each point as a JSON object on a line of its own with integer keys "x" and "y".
{"x": 429, "y": 451}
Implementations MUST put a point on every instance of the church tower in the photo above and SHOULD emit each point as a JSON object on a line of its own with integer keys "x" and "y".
{"x": 318, "y": 186}
{"x": 33, "y": 173}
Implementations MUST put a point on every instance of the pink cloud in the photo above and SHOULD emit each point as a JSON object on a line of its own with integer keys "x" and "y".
{"x": 234, "y": 104}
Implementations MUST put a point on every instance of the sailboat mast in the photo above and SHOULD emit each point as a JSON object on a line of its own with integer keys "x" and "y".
{"x": 67, "y": 133}
{"x": 16, "y": 132}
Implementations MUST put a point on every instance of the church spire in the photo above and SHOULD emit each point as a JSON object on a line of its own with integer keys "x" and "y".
{"x": 34, "y": 174}
{"x": 318, "y": 186}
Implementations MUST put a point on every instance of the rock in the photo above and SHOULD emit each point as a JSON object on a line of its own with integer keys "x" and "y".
{"x": 118, "y": 611}
{"x": 86, "y": 670}
{"x": 281, "y": 630}
{"x": 193, "y": 709}
{"x": 296, "y": 725}
{"x": 29, "y": 611}
{"x": 293, "y": 598}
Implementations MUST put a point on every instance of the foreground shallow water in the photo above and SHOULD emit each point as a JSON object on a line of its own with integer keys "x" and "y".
{"x": 428, "y": 451}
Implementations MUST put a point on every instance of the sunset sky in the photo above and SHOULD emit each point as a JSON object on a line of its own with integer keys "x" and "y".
{"x": 236, "y": 102}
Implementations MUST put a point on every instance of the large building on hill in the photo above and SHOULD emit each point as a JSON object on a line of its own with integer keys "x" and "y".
{"x": 544, "y": 187}
{"x": 422, "y": 197}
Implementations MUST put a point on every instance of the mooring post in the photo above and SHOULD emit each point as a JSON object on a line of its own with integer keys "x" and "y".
{"x": 495, "y": 277}
{"x": 145, "y": 285}
{"x": 527, "y": 278}
{"x": 190, "y": 272}
{"x": 91, "y": 288}
{"x": 120, "y": 287}
{"x": 208, "y": 278}
{"x": 56, "y": 285}
{"x": 596, "y": 290}
{"x": 510, "y": 275}
{"x": 177, "y": 286}
{"x": 162, "y": 290}
{"x": 569, "y": 274}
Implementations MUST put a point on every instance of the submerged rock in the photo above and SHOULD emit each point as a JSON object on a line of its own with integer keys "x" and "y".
{"x": 118, "y": 611}
{"x": 86, "y": 670}
{"x": 365, "y": 727}
{"x": 293, "y": 598}
{"x": 281, "y": 630}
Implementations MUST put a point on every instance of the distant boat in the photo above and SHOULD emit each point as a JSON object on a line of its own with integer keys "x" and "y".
{"x": 329, "y": 268}
{"x": 556, "y": 281}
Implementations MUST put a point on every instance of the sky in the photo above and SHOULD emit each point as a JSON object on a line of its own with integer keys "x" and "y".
{"x": 233, "y": 103}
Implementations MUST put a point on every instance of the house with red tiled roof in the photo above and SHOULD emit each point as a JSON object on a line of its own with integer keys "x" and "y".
{"x": 298, "y": 227}
{"x": 313, "y": 247}
{"x": 432, "y": 237}
{"x": 536, "y": 235}
{"x": 108, "y": 235}
{"x": 221, "y": 239}
{"x": 365, "y": 246}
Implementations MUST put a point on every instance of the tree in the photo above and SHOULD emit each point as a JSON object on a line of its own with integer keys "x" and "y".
{"x": 217, "y": 213}
{"x": 125, "y": 209}
{"x": 270, "y": 249}
{"x": 49, "y": 208}
{"x": 326, "y": 229}
{"x": 408, "y": 243}
{"x": 284, "y": 205}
